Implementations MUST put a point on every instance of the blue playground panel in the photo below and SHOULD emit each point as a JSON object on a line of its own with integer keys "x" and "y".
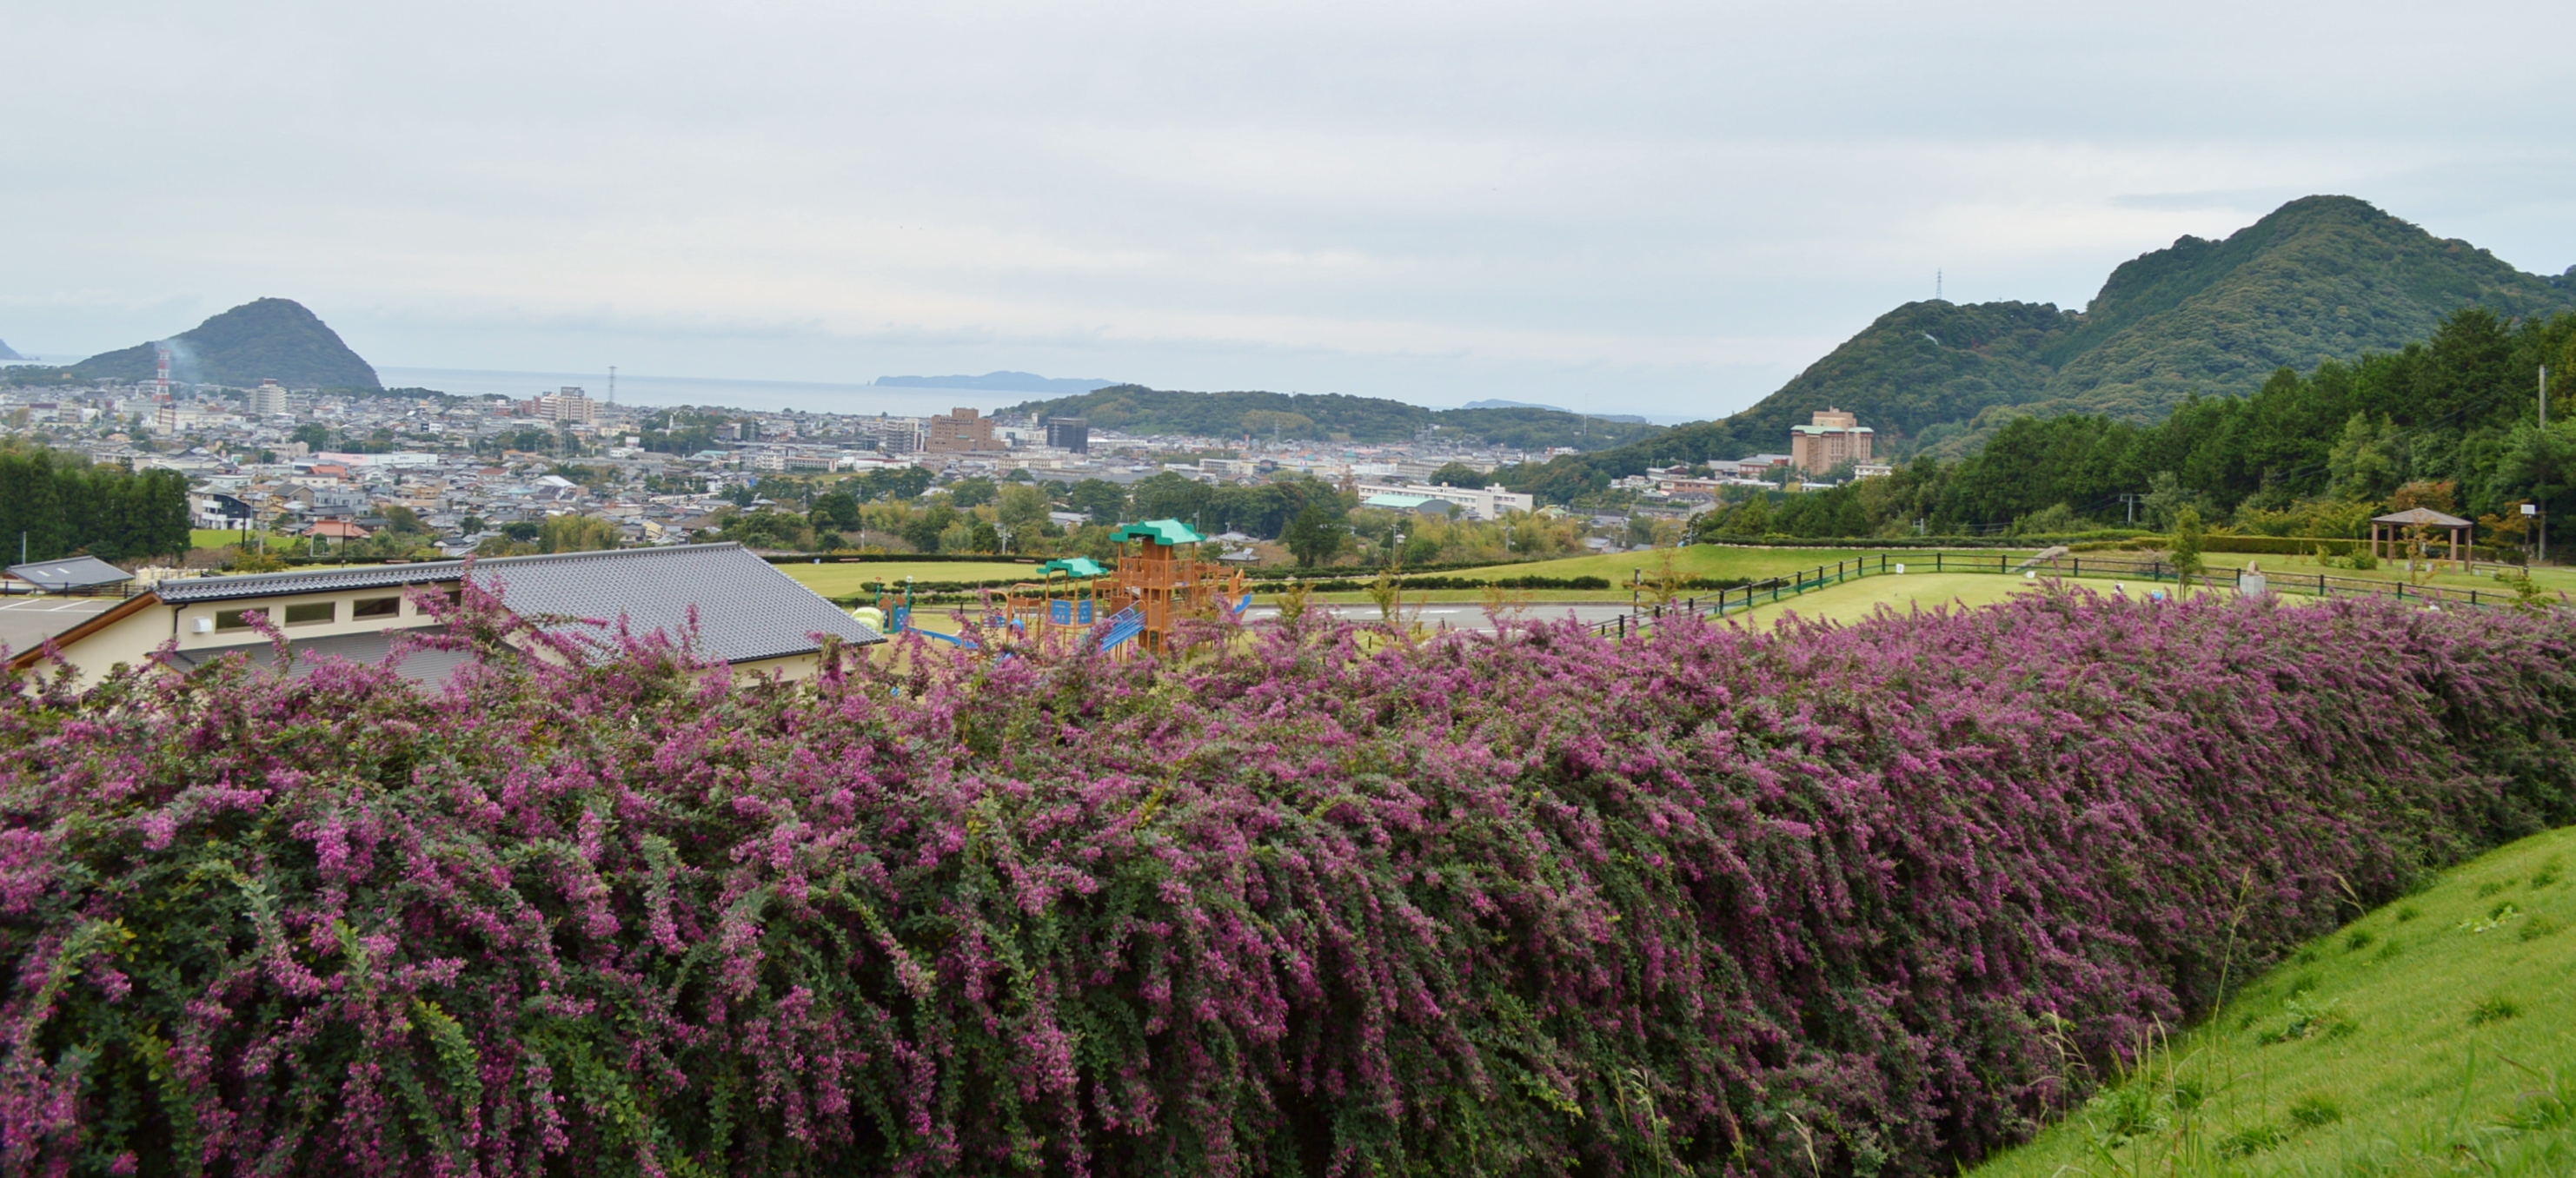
{"x": 1065, "y": 613}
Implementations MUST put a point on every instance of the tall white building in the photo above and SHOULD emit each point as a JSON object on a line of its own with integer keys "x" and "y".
{"x": 268, "y": 400}
{"x": 569, "y": 406}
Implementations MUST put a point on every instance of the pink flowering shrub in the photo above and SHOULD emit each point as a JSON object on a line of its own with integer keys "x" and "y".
{"x": 1867, "y": 900}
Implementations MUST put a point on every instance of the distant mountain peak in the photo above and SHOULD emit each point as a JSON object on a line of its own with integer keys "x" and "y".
{"x": 2321, "y": 277}
{"x": 264, "y": 339}
{"x": 6, "y": 354}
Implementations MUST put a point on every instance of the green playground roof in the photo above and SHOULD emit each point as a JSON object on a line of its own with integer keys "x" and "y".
{"x": 1160, "y": 531}
{"x": 1077, "y": 567}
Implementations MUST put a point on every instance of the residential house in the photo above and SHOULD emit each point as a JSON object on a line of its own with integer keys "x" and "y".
{"x": 747, "y": 612}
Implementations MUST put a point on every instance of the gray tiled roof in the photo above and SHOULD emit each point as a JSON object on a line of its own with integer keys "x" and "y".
{"x": 191, "y": 590}
{"x": 746, "y": 608}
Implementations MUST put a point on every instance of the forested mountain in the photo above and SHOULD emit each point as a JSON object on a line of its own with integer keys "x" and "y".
{"x": 2322, "y": 277}
{"x": 1136, "y": 409}
{"x": 2452, "y": 423}
{"x": 270, "y": 339}
{"x": 6, "y": 354}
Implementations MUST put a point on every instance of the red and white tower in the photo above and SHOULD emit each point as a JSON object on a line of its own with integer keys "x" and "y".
{"x": 161, "y": 383}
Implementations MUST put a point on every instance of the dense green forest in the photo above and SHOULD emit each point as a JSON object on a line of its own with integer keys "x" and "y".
{"x": 2451, "y": 422}
{"x": 2322, "y": 278}
{"x": 269, "y": 339}
{"x": 64, "y": 505}
{"x": 1135, "y": 409}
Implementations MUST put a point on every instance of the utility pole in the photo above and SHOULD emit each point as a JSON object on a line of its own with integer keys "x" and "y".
{"x": 2131, "y": 502}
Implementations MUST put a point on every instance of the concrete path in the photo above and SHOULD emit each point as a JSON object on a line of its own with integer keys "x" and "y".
{"x": 1462, "y": 615}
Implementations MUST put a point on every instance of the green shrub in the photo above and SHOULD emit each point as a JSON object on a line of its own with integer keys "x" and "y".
{"x": 2315, "y": 1109}
{"x": 2251, "y": 1140}
{"x": 2493, "y": 1010}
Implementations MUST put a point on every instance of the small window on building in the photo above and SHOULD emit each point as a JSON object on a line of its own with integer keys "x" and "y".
{"x": 236, "y": 619}
{"x": 376, "y": 607}
{"x": 312, "y": 613}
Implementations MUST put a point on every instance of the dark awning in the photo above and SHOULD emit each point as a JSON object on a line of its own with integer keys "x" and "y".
{"x": 72, "y": 572}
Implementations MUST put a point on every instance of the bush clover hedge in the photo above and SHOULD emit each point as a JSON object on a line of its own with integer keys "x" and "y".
{"x": 1873, "y": 899}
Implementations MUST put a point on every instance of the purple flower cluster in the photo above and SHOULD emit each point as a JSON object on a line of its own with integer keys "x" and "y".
{"x": 1872, "y": 899}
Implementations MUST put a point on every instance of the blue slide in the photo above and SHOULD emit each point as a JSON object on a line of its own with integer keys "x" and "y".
{"x": 1123, "y": 625}
{"x": 950, "y": 639}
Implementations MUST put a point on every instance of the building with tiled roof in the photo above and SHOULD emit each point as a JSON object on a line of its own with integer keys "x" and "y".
{"x": 745, "y": 611}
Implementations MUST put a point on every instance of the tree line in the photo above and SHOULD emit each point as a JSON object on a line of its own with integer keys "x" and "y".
{"x": 64, "y": 505}
{"x": 2452, "y": 422}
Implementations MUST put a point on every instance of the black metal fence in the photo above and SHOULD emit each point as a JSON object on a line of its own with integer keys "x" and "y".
{"x": 2152, "y": 571}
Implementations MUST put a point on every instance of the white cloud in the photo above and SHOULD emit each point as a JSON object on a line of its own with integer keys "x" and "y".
{"x": 1672, "y": 207}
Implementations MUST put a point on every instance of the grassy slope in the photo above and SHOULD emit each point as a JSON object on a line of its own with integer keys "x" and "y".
{"x": 2287, "y": 567}
{"x": 2436, "y": 1035}
{"x": 842, "y": 580}
{"x": 1702, "y": 560}
{"x": 1853, "y": 600}
{"x": 213, "y": 537}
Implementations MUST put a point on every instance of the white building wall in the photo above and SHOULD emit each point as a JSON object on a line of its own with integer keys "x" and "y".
{"x": 1488, "y": 503}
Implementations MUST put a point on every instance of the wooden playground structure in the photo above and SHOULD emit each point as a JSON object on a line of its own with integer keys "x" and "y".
{"x": 1157, "y": 582}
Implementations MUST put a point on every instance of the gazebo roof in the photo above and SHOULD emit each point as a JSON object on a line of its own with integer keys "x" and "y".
{"x": 1159, "y": 531}
{"x": 2421, "y": 515}
{"x": 1077, "y": 567}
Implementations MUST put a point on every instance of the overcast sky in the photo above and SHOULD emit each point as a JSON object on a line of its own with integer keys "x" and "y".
{"x": 1650, "y": 208}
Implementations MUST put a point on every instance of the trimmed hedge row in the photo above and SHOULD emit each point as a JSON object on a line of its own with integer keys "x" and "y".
{"x": 2291, "y": 546}
{"x": 1702, "y": 901}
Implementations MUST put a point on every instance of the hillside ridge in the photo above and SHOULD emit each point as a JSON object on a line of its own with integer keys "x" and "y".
{"x": 1137, "y": 409}
{"x": 2321, "y": 277}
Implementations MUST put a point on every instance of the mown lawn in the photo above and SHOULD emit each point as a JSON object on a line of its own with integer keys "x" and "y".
{"x": 218, "y": 538}
{"x": 1853, "y": 600}
{"x": 2284, "y": 567}
{"x": 2435, "y": 1035}
{"x": 842, "y": 580}
{"x": 1699, "y": 560}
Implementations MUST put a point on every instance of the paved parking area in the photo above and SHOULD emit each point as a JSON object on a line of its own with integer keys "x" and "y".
{"x": 26, "y": 622}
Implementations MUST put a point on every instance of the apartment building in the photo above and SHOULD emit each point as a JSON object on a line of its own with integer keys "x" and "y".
{"x": 1069, "y": 434}
{"x": 1833, "y": 438}
{"x": 568, "y": 406}
{"x": 268, "y": 400}
{"x": 961, "y": 431}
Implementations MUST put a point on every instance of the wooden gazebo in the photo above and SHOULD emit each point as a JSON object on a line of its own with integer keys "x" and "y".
{"x": 2389, "y": 528}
